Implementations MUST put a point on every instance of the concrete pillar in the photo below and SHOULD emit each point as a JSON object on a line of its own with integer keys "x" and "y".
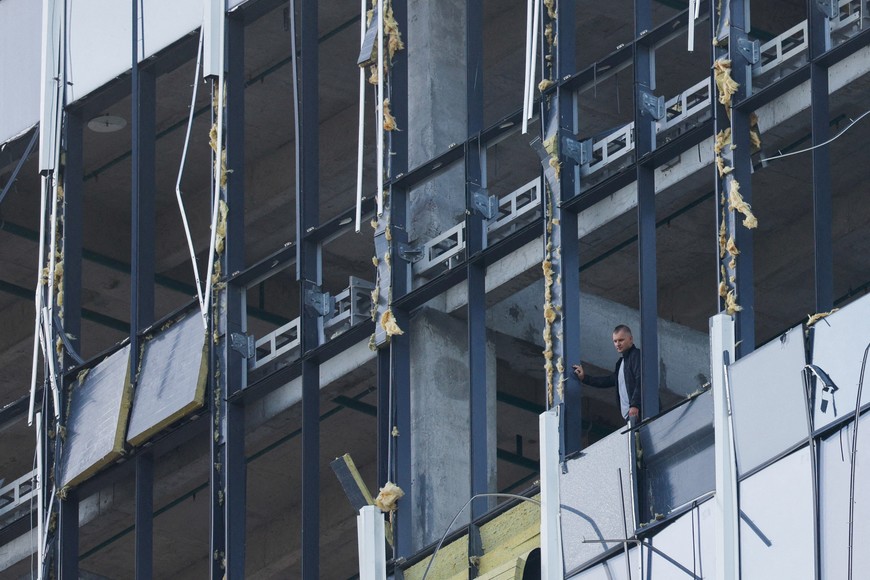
{"x": 440, "y": 453}
{"x": 436, "y": 112}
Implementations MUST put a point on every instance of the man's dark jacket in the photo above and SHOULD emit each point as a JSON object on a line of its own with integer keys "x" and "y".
{"x": 631, "y": 358}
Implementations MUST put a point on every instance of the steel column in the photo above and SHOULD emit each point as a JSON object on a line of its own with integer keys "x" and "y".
{"x": 228, "y": 446}
{"x": 384, "y": 416}
{"x": 143, "y": 115}
{"x": 741, "y": 71}
{"x": 400, "y": 281}
{"x": 73, "y": 188}
{"x": 645, "y": 142}
{"x": 475, "y": 227}
{"x": 735, "y": 262}
{"x": 565, "y": 235}
{"x": 819, "y": 42}
{"x": 68, "y": 535}
{"x": 144, "y": 516}
{"x": 309, "y": 275}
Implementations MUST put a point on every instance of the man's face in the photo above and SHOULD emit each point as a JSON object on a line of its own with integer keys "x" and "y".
{"x": 622, "y": 341}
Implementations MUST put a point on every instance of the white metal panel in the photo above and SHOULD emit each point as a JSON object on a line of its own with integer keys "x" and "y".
{"x": 100, "y": 37}
{"x": 838, "y": 349}
{"x": 776, "y": 520}
{"x": 20, "y": 41}
{"x": 683, "y": 549}
{"x": 768, "y": 400}
{"x": 835, "y": 470}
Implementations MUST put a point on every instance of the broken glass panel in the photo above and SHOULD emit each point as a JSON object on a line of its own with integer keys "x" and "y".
{"x": 99, "y": 404}
{"x": 838, "y": 352}
{"x": 777, "y": 538}
{"x": 768, "y": 400}
{"x": 677, "y": 464}
{"x": 171, "y": 379}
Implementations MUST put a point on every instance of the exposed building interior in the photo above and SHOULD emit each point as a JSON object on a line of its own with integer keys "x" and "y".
{"x": 271, "y": 244}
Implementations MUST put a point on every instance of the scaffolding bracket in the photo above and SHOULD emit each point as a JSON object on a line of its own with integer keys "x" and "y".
{"x": 485, "y": 205}
{"x": 579, "y": 151}
{"x": 243, "y": 344}
{"x": 828, "y": 8}
{"x": 750, "y": 49}
{"x": 651, "y": 105}
{"x": 318, "y": 301}
{"x": 410, "y": 253}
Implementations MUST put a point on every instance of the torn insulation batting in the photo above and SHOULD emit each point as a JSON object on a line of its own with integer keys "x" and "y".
{"x": 723, "y": 138}
{"x": 732, "y": 247}
{"x": 545, "y": 84}
{"x": 812, "y": 319}
{"x": 388, "y": 323}
{"x": 720, "y": 165}
{"x": 754, "y": 134}
{"x": 731, "y": 305}
{"x": 388, "y": 497}
{"x": 722, "y": 241}
{"x": 724, "y": 83}
{"x": 723, "y": 289}
{"x": 389, "y": 120}
{"x": 221, "y": 229}
{"x": 736, "y": 202}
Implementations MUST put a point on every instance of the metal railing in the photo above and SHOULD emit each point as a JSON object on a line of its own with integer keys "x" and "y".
{"x": 17, "y": 494}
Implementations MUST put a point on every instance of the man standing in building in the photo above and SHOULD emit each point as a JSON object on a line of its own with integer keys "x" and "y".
{"x": 626, "y": 376}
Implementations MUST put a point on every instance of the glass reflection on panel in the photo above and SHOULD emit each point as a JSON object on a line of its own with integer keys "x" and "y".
{"x": 677, "y": 464}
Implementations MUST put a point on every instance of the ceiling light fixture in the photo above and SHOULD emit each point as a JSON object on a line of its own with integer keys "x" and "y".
{"x": 107, "y": 124}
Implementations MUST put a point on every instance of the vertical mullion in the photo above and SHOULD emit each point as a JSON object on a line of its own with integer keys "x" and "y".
{"x": 143, "y": 97}
{"x": 822, "y": 211}
{"x": 400, "y": 348}
{"x": 644, "y": 125}
{"x": 232, "y": 299}
{"x": 144, "y": 516}
{"x": 475, "y": 242}
{"x": 565, "y": 233}
{"x": 744, "y": 238}
{"x": 307, "y": 200}
{"x": 68, "y": 532}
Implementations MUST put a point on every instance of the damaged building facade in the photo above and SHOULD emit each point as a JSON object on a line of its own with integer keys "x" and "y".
{"x": 265, "y": 264}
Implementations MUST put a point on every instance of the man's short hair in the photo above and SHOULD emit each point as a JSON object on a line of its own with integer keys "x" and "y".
{"x": 621, "y": 328}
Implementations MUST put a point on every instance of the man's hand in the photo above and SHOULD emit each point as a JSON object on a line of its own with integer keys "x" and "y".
{"x": 578, "y": 370}
{"x": 633, "y": 411}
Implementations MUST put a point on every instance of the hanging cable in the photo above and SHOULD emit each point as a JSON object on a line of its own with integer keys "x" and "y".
{"x": 217, "y": 176}
{"x": 453, "y": 521}
{"x": 854, "y": 458}
{"x": 178, "y": 195}
{"x": 831, "y": 140}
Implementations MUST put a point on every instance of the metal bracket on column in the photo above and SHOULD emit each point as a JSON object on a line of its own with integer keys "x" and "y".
{"x": 579, "y": 151}
{"x": 828, "y": 7}
{"x": 749, "y": 49}
{"x": 318, "y": 301}
{"x": 651, "y": 105}
{"x": 410, "y": 253}
{"x": 243, "y": 344}
{"x": 485, "y": 205}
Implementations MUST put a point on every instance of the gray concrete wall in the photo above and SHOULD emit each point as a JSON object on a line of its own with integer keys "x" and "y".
{"x": 441, "y": 437}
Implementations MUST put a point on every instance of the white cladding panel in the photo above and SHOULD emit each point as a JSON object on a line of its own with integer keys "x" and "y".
{"x": 20, "y": 32}
{"x": 100, "y": 37}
